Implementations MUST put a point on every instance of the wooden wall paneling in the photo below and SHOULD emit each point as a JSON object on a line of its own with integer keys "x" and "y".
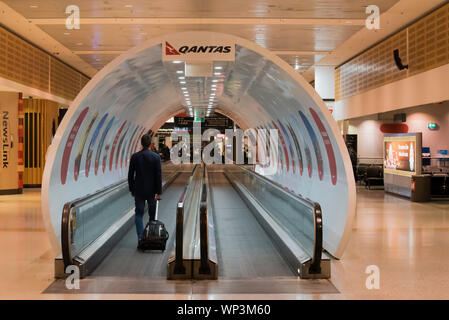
{"x": 424, "y": 45}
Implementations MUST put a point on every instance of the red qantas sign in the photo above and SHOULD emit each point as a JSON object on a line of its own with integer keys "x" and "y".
{"x": 170, "y": 50}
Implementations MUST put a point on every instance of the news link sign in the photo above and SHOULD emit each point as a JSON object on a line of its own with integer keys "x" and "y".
{"x": 5, "y": 141}
{"x": 197, "y": 49}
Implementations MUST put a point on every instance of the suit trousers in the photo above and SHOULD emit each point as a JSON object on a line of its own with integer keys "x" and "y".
{"x": 140, "y": 208}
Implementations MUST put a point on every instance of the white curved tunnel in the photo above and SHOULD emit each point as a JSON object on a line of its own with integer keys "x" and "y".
{"x": 139, "y": 91}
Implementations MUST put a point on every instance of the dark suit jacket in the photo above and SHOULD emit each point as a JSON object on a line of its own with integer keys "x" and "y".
{"x": 144, "y": 175}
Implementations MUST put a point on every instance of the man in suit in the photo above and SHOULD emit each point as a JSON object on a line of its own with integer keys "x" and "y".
{"x": 145, "y": 182}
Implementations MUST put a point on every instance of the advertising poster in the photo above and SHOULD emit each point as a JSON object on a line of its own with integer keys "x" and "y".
{"x": 400, "y": 155}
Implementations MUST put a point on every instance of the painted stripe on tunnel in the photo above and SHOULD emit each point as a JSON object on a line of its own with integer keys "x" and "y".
{"x": 69, "y": 144}
{"x": 100, "y": 144}
{"x": 120, "y": 145}
{"x": 297, "y": 146}
{"x": 81, "y": 146}
{"x": 290, "y": 146}
{"x": 114, "y": 144}
{"x": 306, "y": 147}
{"x": 90, "y": 149}
{"x": 315, "y": 142}
{"x": 328, "y": 144}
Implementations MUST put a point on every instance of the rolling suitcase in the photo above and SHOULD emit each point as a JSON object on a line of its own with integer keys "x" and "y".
{"x": 155, "y": 235}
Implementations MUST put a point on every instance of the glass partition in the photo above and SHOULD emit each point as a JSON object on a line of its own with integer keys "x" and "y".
{"x": 293, "y": 214}
{"x": 85, "y": 220}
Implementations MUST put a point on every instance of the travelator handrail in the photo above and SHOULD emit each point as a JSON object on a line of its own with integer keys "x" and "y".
{"x": 179, "y": 243}
{"x": 315, "y": 265}
{"x": 69, "y": 207}
{"x": 204, "y": 236}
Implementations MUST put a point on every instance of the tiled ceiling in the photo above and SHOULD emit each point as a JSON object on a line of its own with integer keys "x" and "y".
{"x": 335, "y": 9}
{"x": 98, "y": 42}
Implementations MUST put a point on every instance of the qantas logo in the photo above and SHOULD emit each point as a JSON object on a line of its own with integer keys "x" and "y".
{"x": 171, "y": 51}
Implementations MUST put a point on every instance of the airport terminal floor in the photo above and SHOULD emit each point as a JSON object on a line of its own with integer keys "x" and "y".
{"x": 406, "y": 240}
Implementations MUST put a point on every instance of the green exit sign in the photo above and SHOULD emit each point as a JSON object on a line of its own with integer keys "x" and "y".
{"x": 432, "y": 126}
{"x": 197, "y": 119}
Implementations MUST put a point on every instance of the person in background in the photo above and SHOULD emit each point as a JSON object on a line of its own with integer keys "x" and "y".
{"x": 145, "y": 182}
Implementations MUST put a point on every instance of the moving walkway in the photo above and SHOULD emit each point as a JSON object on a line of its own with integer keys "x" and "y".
{"x": 229, "y": 223}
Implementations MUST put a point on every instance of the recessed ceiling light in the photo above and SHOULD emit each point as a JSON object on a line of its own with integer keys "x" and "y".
{"x": 128, "y": 5}
{"x": 79, "y": 44}
{"x": 182, "y": 82}
{"x": 179, "y": 71}
{"x": 67, "y": 33}
{"x": 183, "y": 88}
{"x": 215, "y": 80}
{"x": 213, "y": 89}
{"x": 33, "y": 6}
{"x": 177, "y": 61}
{"x": 218, "y": 68}
{"x": 214, "y": 86}
{"x": 217, "y": 73}
{"x": 181, "y": 78}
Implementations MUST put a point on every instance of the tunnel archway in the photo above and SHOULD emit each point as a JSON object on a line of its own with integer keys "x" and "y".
{"x": 133, "y": 93}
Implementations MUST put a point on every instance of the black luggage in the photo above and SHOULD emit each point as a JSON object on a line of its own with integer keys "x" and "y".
{"x": 155, "y": 235}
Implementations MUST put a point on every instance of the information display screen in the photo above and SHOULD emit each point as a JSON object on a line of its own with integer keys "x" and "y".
{"x": 400, "y": 155}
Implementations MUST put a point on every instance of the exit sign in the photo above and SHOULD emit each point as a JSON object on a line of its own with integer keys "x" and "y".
{"x": 432, "y": 126}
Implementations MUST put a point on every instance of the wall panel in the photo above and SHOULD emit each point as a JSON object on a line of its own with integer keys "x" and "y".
{"x": 26, "y": 64}
{"x": 39, "y": 116}
{"x": 423, "y": 45}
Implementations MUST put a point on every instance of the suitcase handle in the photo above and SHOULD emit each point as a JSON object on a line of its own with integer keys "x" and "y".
{"x": 157, "y": 210}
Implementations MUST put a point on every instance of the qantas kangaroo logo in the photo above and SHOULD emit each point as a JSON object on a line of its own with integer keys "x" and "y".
{"x": 170, "y": 50}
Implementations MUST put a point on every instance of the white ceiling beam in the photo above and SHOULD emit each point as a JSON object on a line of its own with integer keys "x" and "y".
{"x": 299, "y": 53}
{"x": 204, "y": 21}
{"x": 90, "y": 52}
{"x": 278, "y": 52}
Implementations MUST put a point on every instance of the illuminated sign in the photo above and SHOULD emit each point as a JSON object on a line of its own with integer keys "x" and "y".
{"x": 432, "y": 126}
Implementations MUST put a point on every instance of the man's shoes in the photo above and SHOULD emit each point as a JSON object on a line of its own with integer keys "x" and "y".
{"x": 139, "y": 245}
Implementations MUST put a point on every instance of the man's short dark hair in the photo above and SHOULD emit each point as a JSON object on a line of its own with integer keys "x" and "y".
{"x": 145, "y": 141}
